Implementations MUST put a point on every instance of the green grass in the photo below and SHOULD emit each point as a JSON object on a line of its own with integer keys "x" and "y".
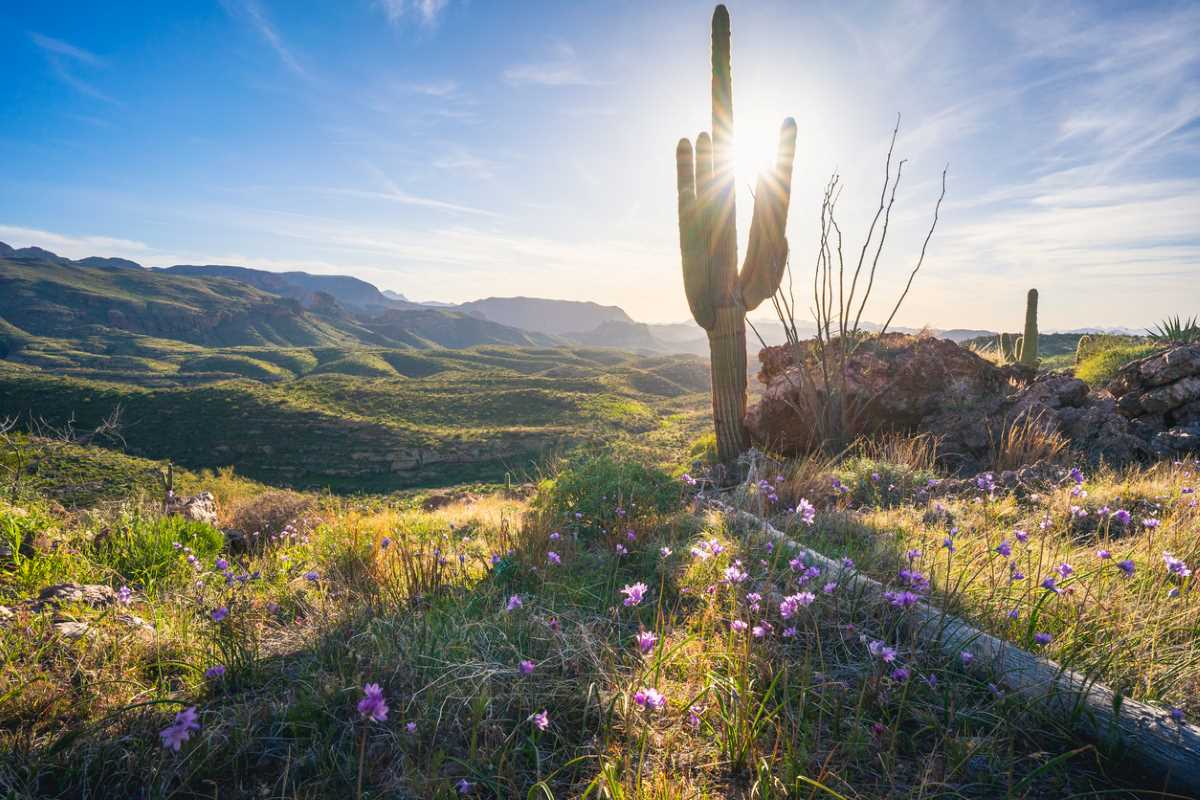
{"x": 460, "y": 415}
{"x": 429, "y": 616}
{"x": 1102, "y": 366}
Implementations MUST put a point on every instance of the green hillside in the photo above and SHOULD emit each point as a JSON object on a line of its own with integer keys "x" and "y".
{"x": 378, "y": 419}
{"x": 102, "y": 310}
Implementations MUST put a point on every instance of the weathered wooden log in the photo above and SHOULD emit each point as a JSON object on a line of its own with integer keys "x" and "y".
{"x": 1158, "y": 746}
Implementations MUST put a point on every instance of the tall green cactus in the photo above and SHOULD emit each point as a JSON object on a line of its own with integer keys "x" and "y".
{"x": 718, "y": 294}
{"x": 1029, "y": 341}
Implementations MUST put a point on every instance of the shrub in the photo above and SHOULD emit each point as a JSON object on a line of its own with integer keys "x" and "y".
{"x": 146, "y": 551}
{"x": 599, "y": 490}
{"x": 1100, "y": 367}
{"x": 270, "y": 513}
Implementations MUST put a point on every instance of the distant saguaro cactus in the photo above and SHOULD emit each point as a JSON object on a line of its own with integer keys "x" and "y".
{"x": 1029, "y": 341}
{"x": 718, "y": 294}
{"x": 1081, "y": 347}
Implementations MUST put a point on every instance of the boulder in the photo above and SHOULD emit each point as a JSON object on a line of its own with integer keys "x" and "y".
{"x": 1160, "y": 396}
{"x": 917, "y": 384}
{"x": 198, "y": 508}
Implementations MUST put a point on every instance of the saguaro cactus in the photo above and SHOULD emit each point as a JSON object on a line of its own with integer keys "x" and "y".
{"x": 718, "y": 294}
{"x": 1029, "y": 341}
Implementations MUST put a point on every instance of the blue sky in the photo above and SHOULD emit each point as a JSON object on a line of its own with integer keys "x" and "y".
{"x": 451, "y": 150}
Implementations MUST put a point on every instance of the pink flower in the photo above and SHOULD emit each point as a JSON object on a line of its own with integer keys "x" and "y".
{"x": 373, "y": 706}
{"x": 180, "y": 730}
{"x": 514, "y": 603}
{"x": 634, "y": 593}
{"x": 541, "y": 720}
{"x": 738, "y": 625}
{"x": 526, "y": 667}
{"x": 553, "y": 557}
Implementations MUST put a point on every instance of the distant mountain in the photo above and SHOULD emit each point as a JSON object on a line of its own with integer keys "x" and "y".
{"x": 635, "y": 336}
{"x": 554, "y": 317}
{"x": 105, "y": 301}
{"x": 347, "y": 290}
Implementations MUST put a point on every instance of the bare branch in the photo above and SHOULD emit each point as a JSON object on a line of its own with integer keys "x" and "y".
{"x": 920, "y": 260}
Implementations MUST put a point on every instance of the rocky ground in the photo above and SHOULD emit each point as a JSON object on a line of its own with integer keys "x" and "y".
{"x": 925, "y": 385}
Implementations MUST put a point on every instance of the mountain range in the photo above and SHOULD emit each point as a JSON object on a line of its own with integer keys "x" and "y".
{"x": 43, "y": 294}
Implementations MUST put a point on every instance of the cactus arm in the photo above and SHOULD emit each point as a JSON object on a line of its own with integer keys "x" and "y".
{"x": 723, "y": 242}
{"x": 766, "y": 254}
{"x": 693, "y": 243}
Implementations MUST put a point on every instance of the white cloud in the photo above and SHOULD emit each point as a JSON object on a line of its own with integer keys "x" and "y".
{"x": 426, "y": 12}
{"x": 563, "y": 69}
{"x": 72, "y": 246}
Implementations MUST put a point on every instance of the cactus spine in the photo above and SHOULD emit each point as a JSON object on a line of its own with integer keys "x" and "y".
{"x": 1029, "y": 342}
{"x": 718, "y": 294}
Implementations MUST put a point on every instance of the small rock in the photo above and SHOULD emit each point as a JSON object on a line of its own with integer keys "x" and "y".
{"x": 198, "y": 508}
{"x": 6, "y": 614}
{"x": 72, "y": 629}
{"x": 92, "y": 594}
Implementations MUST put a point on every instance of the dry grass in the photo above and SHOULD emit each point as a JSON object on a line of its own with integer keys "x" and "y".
{"x": 1027, "y": 441}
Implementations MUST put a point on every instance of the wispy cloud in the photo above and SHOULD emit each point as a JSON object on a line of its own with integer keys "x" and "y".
{"x": 253, "y": 13}
{"x": 71, "y": 246}
{"x": 64, "y": 57}
{"x": 59, "y": 47}
{"x": 561, "y": 69}
{"x": 426, "y": 12}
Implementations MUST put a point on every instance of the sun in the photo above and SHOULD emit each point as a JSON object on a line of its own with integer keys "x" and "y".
{"x": 755, "y": 139}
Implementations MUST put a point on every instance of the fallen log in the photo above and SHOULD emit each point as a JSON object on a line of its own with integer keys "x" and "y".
{"x": 1157, "y": 744}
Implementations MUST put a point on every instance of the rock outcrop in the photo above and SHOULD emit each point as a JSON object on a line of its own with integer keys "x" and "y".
{"x": 1160, "y": 396}
{"x": 926, "y": 385}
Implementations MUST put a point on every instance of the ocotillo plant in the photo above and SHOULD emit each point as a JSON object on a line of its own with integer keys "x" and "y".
{"x": 718, "y": 294}
{"x": 1029, "y": 341}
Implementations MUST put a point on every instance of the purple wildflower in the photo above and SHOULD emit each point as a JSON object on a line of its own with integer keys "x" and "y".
{"x": 1042, "y": 639}
{"x": 1004, "y": 548}
{"x": 372, "y": 706}
{"x": 650, "y": 699}
{"x": 1176, "y": 566}
{"x": 882, "y": 651}
{"x": 634, "y": 593}
{"x": 1126, "y": 567}
{"x": 180, "y": 730}
{"x": 219, "y": 614}
{"x": 553, "y": 557}
{"x": 215, "y": 672}
{"x": 124, "y": 595}
{"x": 464, "y": 786}
{"x": 1122, "y": 516}
{"x": 900, "y": 674}
{"x": 807, "y": 511}
{"x": 541, "y": 720}
{"x": 646, "y": 641}
{"x": 738, "y": 625}
{"x": 514, "y": 603}
{"x": 526, "y": 666}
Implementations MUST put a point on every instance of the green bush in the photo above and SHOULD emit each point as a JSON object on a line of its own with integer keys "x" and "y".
{"x": 142, "y": 550}
{"x": 598, "y": 491}
{"x": 880, "y": 484}
{"x": 1100, "y": 367}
